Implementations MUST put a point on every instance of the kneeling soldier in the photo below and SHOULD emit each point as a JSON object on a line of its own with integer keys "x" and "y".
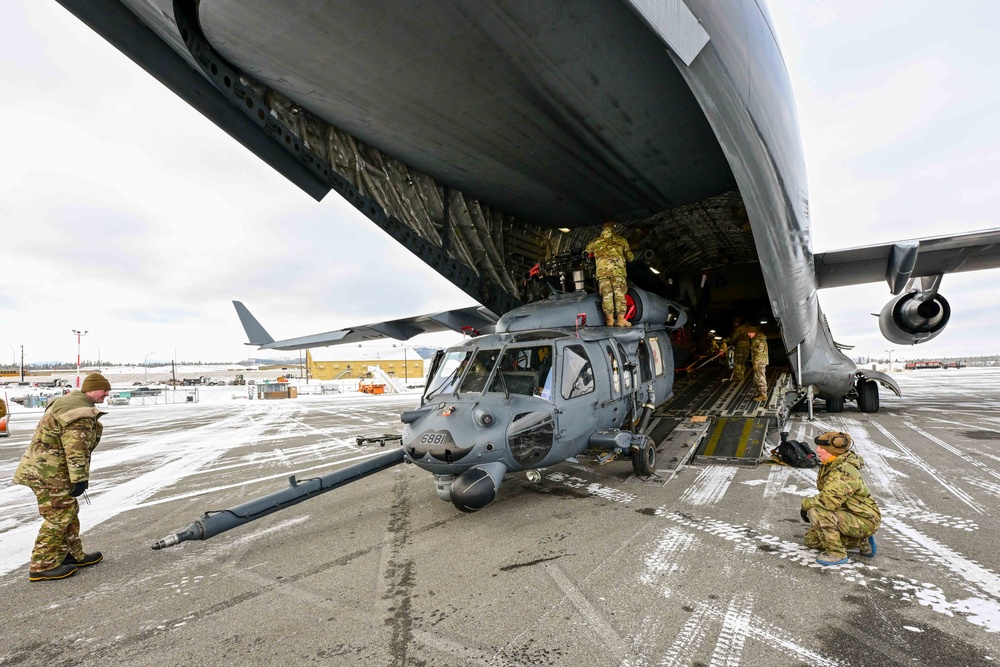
{"x": 843, "y": 515}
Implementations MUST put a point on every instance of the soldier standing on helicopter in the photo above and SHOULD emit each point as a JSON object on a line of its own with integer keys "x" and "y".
{"x": 610, "y": 252}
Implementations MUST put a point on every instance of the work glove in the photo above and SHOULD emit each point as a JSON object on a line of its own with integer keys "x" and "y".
{"x": 804, "y": 514}
{"x": 79, "y": 488}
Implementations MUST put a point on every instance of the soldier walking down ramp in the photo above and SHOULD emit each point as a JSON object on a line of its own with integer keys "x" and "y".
{"x": 843, "y": 515}
{"x": 740, "y": 343}
{"x": 759, "y": 361}
{"x": 610, "y": 252}
{"x": 56, "y": 467}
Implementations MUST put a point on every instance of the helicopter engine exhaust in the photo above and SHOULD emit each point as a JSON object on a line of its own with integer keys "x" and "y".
{"x": 477, "y": 487}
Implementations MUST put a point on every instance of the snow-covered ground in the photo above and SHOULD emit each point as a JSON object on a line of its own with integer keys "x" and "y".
{"x": 151, "y": 449}
{"x": 127, "y": 378}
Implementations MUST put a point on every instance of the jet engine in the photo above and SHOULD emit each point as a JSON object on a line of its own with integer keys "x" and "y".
{"x": 914, "y": 317}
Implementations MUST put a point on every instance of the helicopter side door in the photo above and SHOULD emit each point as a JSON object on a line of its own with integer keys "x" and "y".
{"x": 578, "y": 395}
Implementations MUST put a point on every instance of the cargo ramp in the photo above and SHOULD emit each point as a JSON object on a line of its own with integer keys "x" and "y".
{"x": 713, "y": 420}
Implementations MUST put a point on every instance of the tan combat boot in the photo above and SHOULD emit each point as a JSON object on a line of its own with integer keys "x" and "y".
{"x": 622, "y": 322}
{"x": 610, "y": 319}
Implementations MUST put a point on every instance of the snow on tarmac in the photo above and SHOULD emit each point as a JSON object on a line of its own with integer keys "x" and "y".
{"x": 151, "y": 454}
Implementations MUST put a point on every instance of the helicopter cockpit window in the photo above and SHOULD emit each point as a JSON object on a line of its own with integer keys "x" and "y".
{"x": 654, "y": 348}
{"x": 479, "y": 371}
{"x": 525, "y": 370}
{"x": 577, "y": 372}
{"x": 627, "y": 374}
{"x": 616, "y": 376}
{"x": 449, "y": 372}
{"x": 645, "y": 373}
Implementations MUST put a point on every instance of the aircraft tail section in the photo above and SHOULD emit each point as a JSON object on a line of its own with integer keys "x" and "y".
{"x": 256, "y": 335}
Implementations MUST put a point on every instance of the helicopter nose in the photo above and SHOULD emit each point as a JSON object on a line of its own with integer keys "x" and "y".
{"x": 477, "y": 487}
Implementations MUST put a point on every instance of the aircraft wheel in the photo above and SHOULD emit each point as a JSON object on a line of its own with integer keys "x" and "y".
{"x": 835, "y": 404}
{"x": 868, "y": 396}
{"x": 644, "y": 459}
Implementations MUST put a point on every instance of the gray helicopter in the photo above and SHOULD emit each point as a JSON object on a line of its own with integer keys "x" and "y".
{"x": 527, "y": 390}
{"x": 542, "y": 388}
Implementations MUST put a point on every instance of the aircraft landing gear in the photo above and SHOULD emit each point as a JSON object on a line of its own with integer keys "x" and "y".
{"x": 867, "y": 395}
{"x": 643, "y": 457}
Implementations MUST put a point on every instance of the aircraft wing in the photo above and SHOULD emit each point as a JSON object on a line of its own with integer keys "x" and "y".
{"x": 898, "y": 262}
{"x": 473, "y": 320}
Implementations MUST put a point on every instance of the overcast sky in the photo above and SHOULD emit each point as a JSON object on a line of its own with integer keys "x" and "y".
{"x": 128, "y": 214}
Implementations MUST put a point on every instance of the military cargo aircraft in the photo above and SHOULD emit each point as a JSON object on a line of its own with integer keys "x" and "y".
{"x": 488, "y": 136}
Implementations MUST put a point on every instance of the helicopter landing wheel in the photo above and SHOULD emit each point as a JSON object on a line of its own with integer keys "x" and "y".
{"x": 644, "y": 458}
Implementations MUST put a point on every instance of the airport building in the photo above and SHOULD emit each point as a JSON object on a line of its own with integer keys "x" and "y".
{"x": 352, "y": 362}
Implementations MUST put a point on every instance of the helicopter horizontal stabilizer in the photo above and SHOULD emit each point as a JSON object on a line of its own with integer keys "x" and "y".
{"x": 473, "y": 321}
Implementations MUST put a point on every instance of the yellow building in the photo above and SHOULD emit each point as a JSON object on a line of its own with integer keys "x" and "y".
{"x": 347, "y": 362}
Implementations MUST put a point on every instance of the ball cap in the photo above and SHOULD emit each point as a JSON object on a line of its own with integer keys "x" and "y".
{"x": 834, "y": 442}
{"x": 94, "y": 382}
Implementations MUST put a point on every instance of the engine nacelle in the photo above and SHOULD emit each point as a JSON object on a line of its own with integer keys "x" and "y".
{"x": 642, "y": 306}
{"x": 914, "y": 317}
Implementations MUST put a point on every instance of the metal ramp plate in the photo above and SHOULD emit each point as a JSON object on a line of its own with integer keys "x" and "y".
{"x": 733, "y": 441}
{"x": 676, "y": 449}
{"x": 675, "y": 445}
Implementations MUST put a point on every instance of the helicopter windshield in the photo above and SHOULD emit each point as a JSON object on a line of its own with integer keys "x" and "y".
{"x": 449, "y": 372}
{"x": 479, "y": 372}
{"x": 525, "y": 370}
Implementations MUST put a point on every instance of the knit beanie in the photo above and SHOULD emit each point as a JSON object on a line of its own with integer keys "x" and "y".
{"x": 94, "y": 382}
{"x": 834, "y": 442}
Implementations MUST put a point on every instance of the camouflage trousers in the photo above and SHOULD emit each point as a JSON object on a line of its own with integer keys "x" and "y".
{"x": 837, "y": 531}
{"x": 613, "y": 288}
{"x": 740, "y": 356}
{"x": 760, "y": 378}
{"x": 60, "y": 531}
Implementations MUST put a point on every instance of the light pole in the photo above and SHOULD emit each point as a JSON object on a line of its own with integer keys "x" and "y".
{"x": 79, "y": 335}
{"x": 145, "y": 364}
{"x": 890, "y": 358}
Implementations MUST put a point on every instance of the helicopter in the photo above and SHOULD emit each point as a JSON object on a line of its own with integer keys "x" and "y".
{"x": 529, "y": 389}
{"x": 542, "y": 388}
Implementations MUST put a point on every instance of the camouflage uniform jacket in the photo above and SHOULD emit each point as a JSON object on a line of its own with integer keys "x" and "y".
{"x": 740, "y": 337}
{"x": 842, "y": 488}
{"x": 59, "y": 453}
{"x": 610, "y": 252}
{"x": 3, "y": 409}
{"x": 758, "y": 350}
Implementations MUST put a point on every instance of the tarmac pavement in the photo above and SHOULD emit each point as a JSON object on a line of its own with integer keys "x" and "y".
{"x": 578, "y": 569}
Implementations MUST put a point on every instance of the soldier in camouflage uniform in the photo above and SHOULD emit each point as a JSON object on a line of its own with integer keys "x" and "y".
{"x": 56, "y": 467}
{"x": 610, "y": 252}
{"x": 843, "y": 515}
{"x": 759, "y": 360}
{"x": 3, "y": 419}
{"x": 740, "y": 343}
